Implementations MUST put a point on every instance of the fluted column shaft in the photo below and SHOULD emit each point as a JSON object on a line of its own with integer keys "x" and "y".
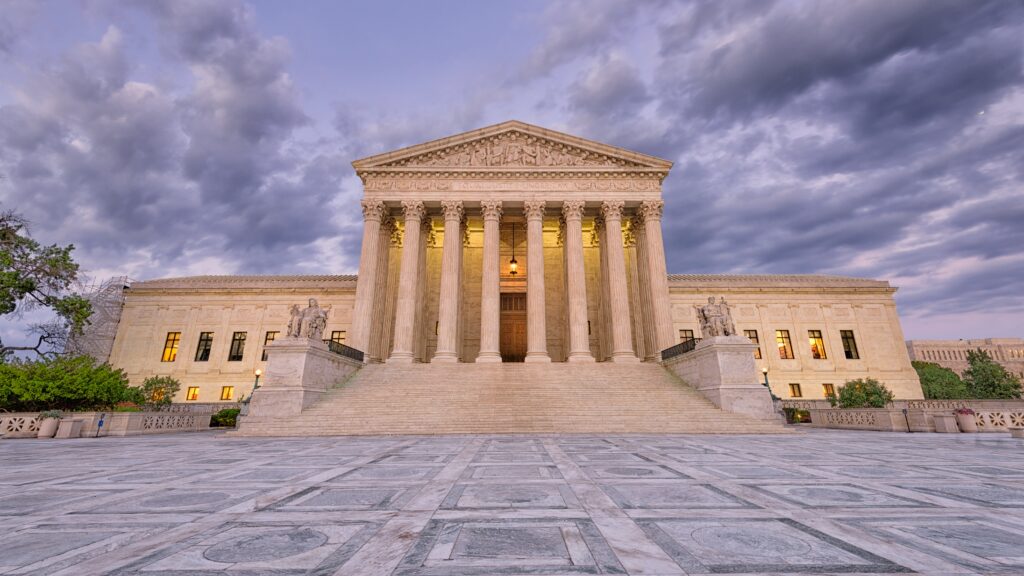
{"x": 644, "y": 281}
{"x": 374, "y": 349}
{"x": 661, "y": 308}
{"x": 366, "y": 286}
{"x": 622, "y": 339}
{"x": 490, "y": 295}
{"x": 451, "y": 274}
{"x": 536, "y": 324}
{"x": 408, "y": 280}
{"x": 579, "y": 340}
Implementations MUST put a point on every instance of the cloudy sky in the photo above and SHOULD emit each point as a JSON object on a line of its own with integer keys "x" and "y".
{"x": 860, "y": 137}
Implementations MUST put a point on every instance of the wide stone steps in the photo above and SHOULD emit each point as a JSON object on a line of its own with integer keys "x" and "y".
{"x": 510, "y": 398}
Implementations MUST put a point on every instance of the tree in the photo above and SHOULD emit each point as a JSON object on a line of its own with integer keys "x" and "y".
{"x": 863, "y": 393}
{"x": 37, "y": 276}
{"x": 987, "y": 379}
{"x": 159, "y": 390}
{"x": 939, "y": 383}
{"x": 62, "y": 383}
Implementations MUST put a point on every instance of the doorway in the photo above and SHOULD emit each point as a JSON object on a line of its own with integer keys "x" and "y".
{"x": 513, "y": 327}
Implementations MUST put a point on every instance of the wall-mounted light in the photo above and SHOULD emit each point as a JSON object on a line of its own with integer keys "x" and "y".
{"x": 513, "y": 266}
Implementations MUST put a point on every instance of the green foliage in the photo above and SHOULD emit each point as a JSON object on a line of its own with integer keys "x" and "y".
{"x": 987, "y": 379}
{"x": 796, "y": 415}
{"x": 226, "y": 417}
{"x": 50, "y": 414}
{"x": 159, "y": 390}
{"x": 37, "y": 276}
{"x": 863, "y": 393}
{"x": 127, "y": 408}
{"x": 940, "y": 383}
{"x": 64, "y": 383}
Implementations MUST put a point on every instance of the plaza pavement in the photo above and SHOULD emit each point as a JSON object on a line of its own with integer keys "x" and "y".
{"x": 816, "y": 503}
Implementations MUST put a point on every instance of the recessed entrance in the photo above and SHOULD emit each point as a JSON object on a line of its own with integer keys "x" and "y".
{"x": 513, "y": 327}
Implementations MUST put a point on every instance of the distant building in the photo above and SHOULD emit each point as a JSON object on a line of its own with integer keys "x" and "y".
{"x": 952, "y": 354}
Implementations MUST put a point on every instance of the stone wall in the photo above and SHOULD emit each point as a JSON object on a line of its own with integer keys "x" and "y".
{"x": 26, "y": 424}
{"x": 990, "y": 415}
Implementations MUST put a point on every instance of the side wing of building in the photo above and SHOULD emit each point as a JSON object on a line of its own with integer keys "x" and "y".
{"x": 814, "y": 333}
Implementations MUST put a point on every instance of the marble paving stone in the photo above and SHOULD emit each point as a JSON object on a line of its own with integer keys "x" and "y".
{"x": 518, "y": 496}
{"x": 414, "y": 459}
{"x": 665, "y": 496}
{"x": 760, "y": 472}
{"x": 390, "y": 472}
{"x": 837, "y": 496}
{"x": 46, "y": 500}
{"x": 632, "y": 471}
{"x": 511, "y": 471}
{"x": 731, "y": 546}
{"x": 320, "y": 499}
{"x": 609, "y": 457}
{"x": 982, "y": 494}
{"x": 174, "y": 500}
{"x": 511, "y": 457}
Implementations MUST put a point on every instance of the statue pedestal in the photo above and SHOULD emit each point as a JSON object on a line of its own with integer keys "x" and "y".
{"x": 299, "y": 372}
{"x": 722, "y": 369}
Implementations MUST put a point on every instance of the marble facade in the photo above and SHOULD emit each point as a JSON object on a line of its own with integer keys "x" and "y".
{"x": 443, "y": 221}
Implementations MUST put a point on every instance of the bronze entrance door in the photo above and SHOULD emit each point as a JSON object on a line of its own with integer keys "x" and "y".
{"x": 513, "y": 327}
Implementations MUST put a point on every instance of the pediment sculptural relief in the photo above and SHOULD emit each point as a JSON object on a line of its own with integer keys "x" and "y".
{"x": 511, "y": 150}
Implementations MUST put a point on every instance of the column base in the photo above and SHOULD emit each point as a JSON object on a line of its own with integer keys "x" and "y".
{"x": 401, "y": 358}
{"x": 580, "y": 357}
{"x": 537, "y": 357}
{"x": 488, "y": 358}
{"x": 625, "y": 358}
{"x": 442, "y": 358}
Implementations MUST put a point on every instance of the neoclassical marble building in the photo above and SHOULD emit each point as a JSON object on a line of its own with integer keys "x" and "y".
{"x": 513, "y": 243}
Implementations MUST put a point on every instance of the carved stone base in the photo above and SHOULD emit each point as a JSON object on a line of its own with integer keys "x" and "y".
{"x": 722, "y": 369}
{"x": 299, "y": 372}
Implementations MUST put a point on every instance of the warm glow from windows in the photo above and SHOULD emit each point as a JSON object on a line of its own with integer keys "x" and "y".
{"x": 784, "y": 344}
{"x": 795, "y": 392}
{"x": 829, "y": 390}
{"x": 817, "y": 344}
{"x": 171, "y": 347}
{"x": 227, "y": 392}
{"x": 752, "y": 335}
{"x": 192, "y": 394}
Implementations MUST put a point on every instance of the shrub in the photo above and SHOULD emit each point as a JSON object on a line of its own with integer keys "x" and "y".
{"x": 51, "y": 414}
{"x": 987, "y": 379}
{"x": 62, "y": 383}
{"x": 863, "y": 393}
{"x": 159, "y": 390}
{"x": 796, "y": 415}
{"x": 939, "y": 383}
{"x": 226, "y": 417}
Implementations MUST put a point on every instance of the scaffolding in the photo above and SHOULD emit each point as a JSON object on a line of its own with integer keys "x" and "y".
{"x": 97, "y": 338}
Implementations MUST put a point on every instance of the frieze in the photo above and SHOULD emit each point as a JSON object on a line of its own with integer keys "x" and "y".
{"x": 633, "y": 184}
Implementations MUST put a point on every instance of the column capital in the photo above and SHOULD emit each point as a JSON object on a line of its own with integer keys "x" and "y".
{"x": 612, "y": 209}
{"x": 373, "y": 210}
{"x": 651, "y": 209}
{"x": 534, "y": 209}
{"x": 453, "y": 210}
{"x": 491, "y": 209}
{"x": 414, "y": 209}
{"x": 573, "y": 209}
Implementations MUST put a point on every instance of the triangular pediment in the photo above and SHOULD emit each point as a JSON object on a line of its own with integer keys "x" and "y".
{"x": 511, "y": 145}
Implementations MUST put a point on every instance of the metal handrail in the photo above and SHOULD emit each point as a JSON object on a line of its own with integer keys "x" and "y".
{"x": 346, "y": 351}
{"x": 679, "y": 349}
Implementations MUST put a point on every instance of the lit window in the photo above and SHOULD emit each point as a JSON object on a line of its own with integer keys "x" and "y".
{"x": 171, "y": 347}
{"x": 784, "y": 344}
{"x": 192, "y": 394}
{"x": 752, "y": 334}
{"x": 204, "y": 347}
{"x": 270, "y": 337}
{"x": 817, "y": 344}
{"x": 237, "y": 347}
{"x": 794, "y": 391}
{"x": 849, "y": 345}
{"x": 227, "y": 392}
{"x": 829, "y": 390}
{"x": 685, "y": 335}
{"x": 338, "y": 336}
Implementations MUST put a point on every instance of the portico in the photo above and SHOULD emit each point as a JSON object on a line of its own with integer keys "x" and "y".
{"x": 444, "y": 220}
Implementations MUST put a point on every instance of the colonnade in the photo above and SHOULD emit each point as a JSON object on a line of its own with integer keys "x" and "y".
{"x": 369, "y": 319}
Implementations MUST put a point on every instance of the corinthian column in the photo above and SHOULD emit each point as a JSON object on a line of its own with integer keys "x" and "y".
{"x": 490, "y": 296}
{"x": 376, "y": 352}
{"x": 405, "y": 309}
{"x": 579, "y": 340}
{"x": 536, "y": 327}
{"x": 451, "y": 273}
{"x": 622, "y": 339}
{"x": 366, "y": 285}
{"x": 661, "y": 308}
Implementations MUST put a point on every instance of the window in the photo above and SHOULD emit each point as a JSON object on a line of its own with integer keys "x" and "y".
{"x": 338, "y": 336}
{"x": 829, "y": 390}
{"x": 752, "y": 334}
{"x": 237, "y": 347}
{"x": 685, "y": 335}
{"x": 785, "y": 346}
{"x": 817, "y": 344}
{"x": 227, "y": 392}
{"x": 204, "y": 347}
{"x": 849, "y": 345}
{"x": 270, "y": 337}
{"x": 171, "y": 347}
{"x": 192, "y": 394}
{"x": 794, "y": 391}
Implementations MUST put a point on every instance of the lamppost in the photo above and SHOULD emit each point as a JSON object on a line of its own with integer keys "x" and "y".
{"x": 256, "y": 384}
{"x": 763, "y": 371}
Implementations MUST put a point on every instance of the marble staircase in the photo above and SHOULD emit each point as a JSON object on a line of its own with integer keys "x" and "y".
{"x": 510, "y": 398}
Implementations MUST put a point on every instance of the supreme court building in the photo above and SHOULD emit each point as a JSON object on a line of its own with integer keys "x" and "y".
{"x": 513, "y": 244}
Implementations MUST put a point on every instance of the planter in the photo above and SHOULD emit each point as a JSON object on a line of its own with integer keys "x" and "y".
{"x": 48, "y": 427}
{"x": 966, "y": 423}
